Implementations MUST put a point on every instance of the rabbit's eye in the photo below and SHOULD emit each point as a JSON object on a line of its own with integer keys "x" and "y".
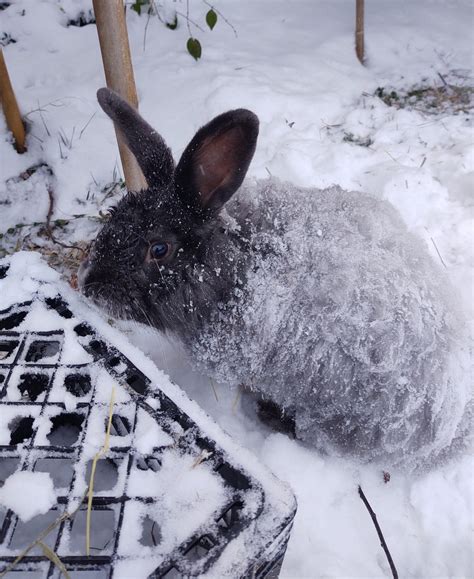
{"x": 159, "y": 250}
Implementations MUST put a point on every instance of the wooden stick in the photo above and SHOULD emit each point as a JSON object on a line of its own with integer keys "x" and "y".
{"x": 10, "y": 107}
{"x": 115, "y": 49}
{"x": 359, "y": 33}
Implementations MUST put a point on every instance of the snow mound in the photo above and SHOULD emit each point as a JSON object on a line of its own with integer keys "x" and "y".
{"x": 36, "y": 496}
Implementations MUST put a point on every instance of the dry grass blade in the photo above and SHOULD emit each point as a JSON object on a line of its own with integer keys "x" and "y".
{"x": 98, "y": 455}
{"x": 38, "y": 540}
{"x": 43, "y": 535}
{"x": 53, "y": 557}
{"x": 205, "y": 454}
{"x": 454, "y": 96}
{"x": 237, "y": 399}
{"x": 213, "y": 386}
{"x": 439, "y": 254}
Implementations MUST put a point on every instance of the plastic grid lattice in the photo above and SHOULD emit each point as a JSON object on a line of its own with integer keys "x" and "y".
{"x": 32, "y": 362}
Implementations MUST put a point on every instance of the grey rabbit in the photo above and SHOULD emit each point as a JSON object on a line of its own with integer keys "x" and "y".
{"x": 320, "y": 301}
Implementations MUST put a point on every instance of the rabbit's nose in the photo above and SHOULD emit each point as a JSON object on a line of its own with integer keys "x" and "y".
{"x": 92, "y": 278}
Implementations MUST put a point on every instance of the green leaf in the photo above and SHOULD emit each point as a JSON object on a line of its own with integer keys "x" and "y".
{"x": 194, "y": 48}
{"x": 211, "y": 18}
{"x": 137, "y": 6}
{"x": 173, "y": 25}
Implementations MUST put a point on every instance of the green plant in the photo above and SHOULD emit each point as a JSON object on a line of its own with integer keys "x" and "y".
{"x": 454, "y": 94}
{"x": 193, "y": 45}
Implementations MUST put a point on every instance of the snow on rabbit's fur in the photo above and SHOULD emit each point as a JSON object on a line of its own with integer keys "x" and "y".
{"x": 293, "y": 64}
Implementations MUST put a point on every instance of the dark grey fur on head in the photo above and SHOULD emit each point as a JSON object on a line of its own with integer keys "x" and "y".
{"x": 180, "y": 207}
{"x": 320, "y": 301}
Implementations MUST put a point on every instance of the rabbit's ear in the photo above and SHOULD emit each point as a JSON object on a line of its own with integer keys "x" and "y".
{"x": 215, "y": 162}
{"x": 146, "y": 144}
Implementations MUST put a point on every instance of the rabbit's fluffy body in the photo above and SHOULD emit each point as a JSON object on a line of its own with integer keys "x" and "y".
{"x": 338, "y": 315}
{"x": 319, "y": 300}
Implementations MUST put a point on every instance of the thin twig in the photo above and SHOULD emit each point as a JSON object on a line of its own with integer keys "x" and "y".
{"x": 187, "y": 17}
{"x": 87, "y": 124}
{"x": 236, "y": 399}
{"x": 379, "y": 533}
{"x": 213, "y": 386}
{"x": 146, "y": 28}
{"x": 156, "y": 11}
{"x": 188, "y": 20}
{"x": 391, "y": 157}
{"x": 66, "y": 246}
{"x": 443, "y": 79}
{"x": 151, "y": 10}
{"x": 40, "y": 110}
{"x": 37, "y": 138}
{"x": 152, "y": 534}
{"x": 60, "y": 149}
{"x": 50, "y": 209}
{"x": 437, "y": 251}
{"x": 49, "y": 229}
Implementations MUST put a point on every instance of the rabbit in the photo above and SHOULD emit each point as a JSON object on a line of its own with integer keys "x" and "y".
{"x": 319, "y": 301}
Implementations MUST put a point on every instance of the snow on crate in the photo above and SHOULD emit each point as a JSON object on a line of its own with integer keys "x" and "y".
{"x": 174, "y": 496}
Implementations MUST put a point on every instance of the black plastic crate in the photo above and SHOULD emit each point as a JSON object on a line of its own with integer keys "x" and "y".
{"x": 52, "y": 396}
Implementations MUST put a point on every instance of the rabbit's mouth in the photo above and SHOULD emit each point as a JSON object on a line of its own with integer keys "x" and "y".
{"x": 104, "y": 293}
{"x": 90, "y": 283}
{"x": 107, "y": 298}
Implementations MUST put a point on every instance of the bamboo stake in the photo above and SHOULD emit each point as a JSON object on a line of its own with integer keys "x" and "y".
{"x": 115, "y": 49}
{"x": 359, "y": 33}
{"x": 10, "y": 107}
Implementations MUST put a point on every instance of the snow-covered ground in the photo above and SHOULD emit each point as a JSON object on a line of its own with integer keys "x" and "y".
{"x": 292, "y": 63}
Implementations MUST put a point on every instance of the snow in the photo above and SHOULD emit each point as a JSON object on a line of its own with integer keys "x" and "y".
{"x": 37, "y": 494}
{"x": 180, "y": 489}
{"x": 148, "y": 434}
{"x": 9, "y": 417}
{"x": 187, "y": 490}
{"x": 290, "y": 63}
